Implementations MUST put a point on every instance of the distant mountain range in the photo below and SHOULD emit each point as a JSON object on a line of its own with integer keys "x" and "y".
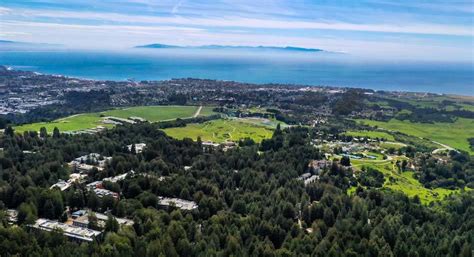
{"x": 14, "y": 44}
{"x": 287, "y": 48}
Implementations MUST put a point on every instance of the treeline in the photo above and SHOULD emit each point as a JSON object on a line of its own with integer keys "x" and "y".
{"x": 422, "y": 114}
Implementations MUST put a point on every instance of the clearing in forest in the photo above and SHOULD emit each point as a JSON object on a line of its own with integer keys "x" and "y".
{"x": 222, "y": 130}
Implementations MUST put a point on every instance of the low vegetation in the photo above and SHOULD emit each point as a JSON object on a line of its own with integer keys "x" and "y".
{"x": 224, "y": 130}
{"x": 454, "y": 134}
{"x": 92, "y": 120}
{"x": 399, "y": 180}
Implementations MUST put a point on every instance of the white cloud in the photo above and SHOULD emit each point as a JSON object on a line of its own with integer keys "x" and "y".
{"x": 176, "y": 7}
{"x": 122, "y": 36}
{"x": 256, "y": 23}
{"x": 4, "y": 10}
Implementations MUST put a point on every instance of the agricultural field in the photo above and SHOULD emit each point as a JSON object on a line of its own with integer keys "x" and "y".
{"x": 92, "y": 120}
{"x": 222, "y": 130}
{"x": 454, "y": 134}
{"x": 402, "y": 181}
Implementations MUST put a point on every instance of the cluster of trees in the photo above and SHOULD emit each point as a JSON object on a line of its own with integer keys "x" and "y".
{"x": 426, "y": 115}
{"x": 250, "y": 202}
{"x": 371, "y": 177}
{"x": 350, "y": 101}
{"x": 456, "y": 170}
{"x": 415, "y": 113}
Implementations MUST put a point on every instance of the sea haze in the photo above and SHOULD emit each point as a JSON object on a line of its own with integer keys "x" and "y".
{"x": 254, "y": 66}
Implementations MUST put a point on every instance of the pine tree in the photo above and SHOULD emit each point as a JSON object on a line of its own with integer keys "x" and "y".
{"x": 56, "y": 133}
{"x": 43, "y": 132}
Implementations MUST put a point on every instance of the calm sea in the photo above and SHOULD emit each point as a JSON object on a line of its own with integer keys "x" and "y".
{"x": 267, "y": 67}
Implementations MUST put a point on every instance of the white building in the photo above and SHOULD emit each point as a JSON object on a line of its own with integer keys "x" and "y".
{"x": 77, "y": 233}
{"x": 61, "y": 184}
{"x": 138, "y": 147}
{"x": 178, "y": 203}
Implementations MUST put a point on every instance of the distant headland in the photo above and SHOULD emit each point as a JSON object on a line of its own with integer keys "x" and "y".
{"x": 277, "y": 48}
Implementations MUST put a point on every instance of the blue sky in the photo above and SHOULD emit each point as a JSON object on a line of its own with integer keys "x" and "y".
{"x": 404, "y": 29}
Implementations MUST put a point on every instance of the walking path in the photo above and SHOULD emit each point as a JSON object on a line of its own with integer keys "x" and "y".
{"x": 197, "y": 112}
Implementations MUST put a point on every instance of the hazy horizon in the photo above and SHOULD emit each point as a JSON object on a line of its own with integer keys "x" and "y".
{"x": 255, "y": 66}
{"x": 371, "y": 29}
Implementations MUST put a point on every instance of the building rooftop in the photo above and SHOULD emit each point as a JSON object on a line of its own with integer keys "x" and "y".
{"x": 119, "y": 177}
{"x": 138, "y": 147}
{"x": 61, "y": 184}
{"x": 179, "y": 203}
{"x": 12, "y": 215}
{"x": 104, "y": 192}
{"x": 79, "y": 233}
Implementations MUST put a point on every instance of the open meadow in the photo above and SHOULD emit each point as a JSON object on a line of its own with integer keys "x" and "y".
{"x": 454, "y": 134}
{"x": 222, "y": 130}
{"x": 92, "y": 120}
{"x": 371, "y": 134}
{"x": 402, "y": 181}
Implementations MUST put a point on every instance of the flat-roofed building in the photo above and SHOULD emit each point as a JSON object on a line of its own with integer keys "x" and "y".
{"x": 73, "y": 232}
{"x": 178, "y": 203}
{"x": 61, "y": 184}
{"x": 138, "y": 147}
{"x": 118, "y": 177}
{"x": 12, "y": 216}
{"x": 82, "y": 221}
{"x": 100, "y": 192}
{"x": 87, "y": 162}
{"x": 101, "y": 218}
{"x": 121, "y": 221}
{"x": 94, "y": 185}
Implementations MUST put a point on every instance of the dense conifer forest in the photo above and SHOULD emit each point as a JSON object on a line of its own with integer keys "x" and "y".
{"x": 250, "y": 202}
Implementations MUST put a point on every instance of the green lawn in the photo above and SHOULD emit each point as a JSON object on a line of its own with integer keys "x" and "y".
{"x": 222, "y": 130}
{"x": 394, "y": 145}
{"x": 403, "y": 181}
{"x": 207, "y": 111}
{"x": 371, "y": 134}
{"x": 453, "y": 134}
{"x": 92, "y": 120}
{"x": 156, "y": 113}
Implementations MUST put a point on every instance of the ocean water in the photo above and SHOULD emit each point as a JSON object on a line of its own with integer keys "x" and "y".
{"x": 327, "y": 69}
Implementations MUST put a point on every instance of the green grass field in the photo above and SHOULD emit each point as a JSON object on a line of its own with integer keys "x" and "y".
{"x": 92, "y": 120}
{"x": 394, "y": 145}
{"x": 403, "y": 181}
{"x": 371, "y": 134}
{"x": 453, "y": 134}
{"x": 223, "y": 130}
{"x": 156, "y": 113}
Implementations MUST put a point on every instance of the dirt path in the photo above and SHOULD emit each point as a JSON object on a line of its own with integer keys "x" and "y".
{"x": 445, "y": 147}
{"x": 197, "y": 112}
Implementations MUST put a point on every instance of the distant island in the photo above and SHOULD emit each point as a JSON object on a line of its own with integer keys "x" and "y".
{"x": 287, "y": 48}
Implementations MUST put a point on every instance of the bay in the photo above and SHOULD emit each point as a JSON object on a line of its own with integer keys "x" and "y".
{"x": 327, "y": 69}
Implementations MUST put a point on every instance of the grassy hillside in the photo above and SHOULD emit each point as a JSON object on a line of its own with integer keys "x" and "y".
{"x": 223, "y": 130}
{"x": 92, "y": 120}
{"x": 371, "y": 134}
{"x": 453, "y": 134}
{"x": 403, "y": 181}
